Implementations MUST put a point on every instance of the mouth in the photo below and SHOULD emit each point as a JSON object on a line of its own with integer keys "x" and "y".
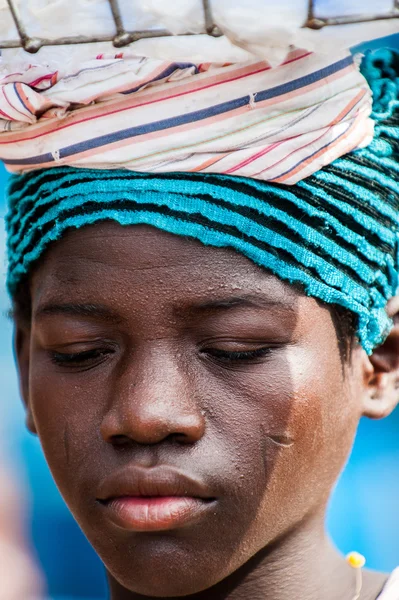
{"x": 154, "y": 513}
{"x": 151, "y": 500}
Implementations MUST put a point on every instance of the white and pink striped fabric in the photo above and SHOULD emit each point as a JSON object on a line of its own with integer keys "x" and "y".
{"x": 277, "y": 124}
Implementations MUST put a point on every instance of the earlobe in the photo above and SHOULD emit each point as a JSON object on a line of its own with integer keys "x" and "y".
{"x": 382, "y": 380}
{"x": 22, "y": 354}
{"x": 382, "y": 397}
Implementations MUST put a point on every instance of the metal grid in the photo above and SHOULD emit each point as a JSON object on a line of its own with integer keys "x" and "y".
{"x": 315, "y": 22}
{"x": 122, "y": 37}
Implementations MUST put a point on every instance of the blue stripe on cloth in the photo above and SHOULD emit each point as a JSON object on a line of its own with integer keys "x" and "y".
{"x": 304, "y": 81}
{"x": 322, "y": 147}
{"x": 98, "y": 67}
{"x": 20, "y": 99}
{"x": 342, "y": 134}
{"x": 165, "y": 73}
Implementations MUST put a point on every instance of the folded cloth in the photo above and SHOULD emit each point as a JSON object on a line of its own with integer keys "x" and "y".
{"x": 268, "y": 107}
{"x": 276, "y": 124}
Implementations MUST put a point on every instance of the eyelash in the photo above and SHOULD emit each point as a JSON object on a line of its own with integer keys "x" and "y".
{"x": 249, "y": 355}
{"x": 97, "y": 356}
{"x": 80, "y": 358}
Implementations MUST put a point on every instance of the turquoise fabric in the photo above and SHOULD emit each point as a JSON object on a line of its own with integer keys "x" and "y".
{"x": 336, "y": 233}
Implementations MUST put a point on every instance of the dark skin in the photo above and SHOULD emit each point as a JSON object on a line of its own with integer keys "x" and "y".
{"x": 147, "y": 349}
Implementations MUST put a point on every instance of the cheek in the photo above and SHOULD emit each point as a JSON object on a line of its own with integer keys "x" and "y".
{"x": 319, "y": 417}
{"x": 67, "y": 416}
{"x": 292, "y": 424}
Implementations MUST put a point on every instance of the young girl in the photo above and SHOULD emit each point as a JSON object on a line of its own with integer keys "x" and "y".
{"x": 203, "y": 262}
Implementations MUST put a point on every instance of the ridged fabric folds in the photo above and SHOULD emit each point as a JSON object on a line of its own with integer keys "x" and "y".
{"x": 336, "y": 233}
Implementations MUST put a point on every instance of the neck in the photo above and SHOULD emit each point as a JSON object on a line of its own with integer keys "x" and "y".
{"x": 304, "y": 564}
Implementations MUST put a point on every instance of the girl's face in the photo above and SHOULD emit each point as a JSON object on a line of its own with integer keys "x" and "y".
{"x": 192, "y": 408}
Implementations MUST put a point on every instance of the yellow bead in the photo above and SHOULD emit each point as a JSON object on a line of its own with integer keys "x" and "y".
{"x": 356, "y": 560}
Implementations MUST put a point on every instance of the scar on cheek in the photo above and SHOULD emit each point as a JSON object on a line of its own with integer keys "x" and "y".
{"x": 283, "y": 441}
{"x": 66, "y": 443}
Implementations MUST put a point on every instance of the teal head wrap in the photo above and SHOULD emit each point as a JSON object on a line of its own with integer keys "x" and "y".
{"x": 335, "y": 233}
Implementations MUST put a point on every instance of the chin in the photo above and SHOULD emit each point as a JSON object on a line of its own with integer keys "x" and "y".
{"x": 165, "y": 588}
{"x": 163, "y": 579}
{"x": 163, "y": 567}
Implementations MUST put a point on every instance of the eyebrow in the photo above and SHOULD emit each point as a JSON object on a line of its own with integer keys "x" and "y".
{"x": 246, "y": 301}
{"x": 93, "y": 311}
{"x": 96, "y": 311}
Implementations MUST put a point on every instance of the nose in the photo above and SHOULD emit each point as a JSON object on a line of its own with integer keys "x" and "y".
{"x": 153, "y": 400}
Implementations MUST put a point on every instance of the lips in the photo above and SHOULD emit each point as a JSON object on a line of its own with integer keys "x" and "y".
{"x": 157, "y": 499}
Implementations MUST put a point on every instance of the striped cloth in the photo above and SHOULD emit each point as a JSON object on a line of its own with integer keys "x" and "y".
{"x": 275, "y": 124}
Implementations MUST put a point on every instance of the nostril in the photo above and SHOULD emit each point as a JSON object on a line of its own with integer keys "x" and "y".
{"x": 123, "y": 441}
{"x": 120, "y": 440}
{"x": 180, "y": 438}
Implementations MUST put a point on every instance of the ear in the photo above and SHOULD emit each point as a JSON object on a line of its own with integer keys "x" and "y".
{"x": 22, "y": 354}
{"x": 382, "y": 379}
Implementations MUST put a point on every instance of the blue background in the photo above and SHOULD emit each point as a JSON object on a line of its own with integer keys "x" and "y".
{"x": 363, "y": 514}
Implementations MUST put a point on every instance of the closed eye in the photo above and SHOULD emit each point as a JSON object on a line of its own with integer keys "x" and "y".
{"x": 239, "y": 356}
{"x": 84, "y": 359}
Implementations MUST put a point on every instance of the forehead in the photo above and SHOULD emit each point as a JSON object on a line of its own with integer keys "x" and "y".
{"x": 108, "y": 260}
